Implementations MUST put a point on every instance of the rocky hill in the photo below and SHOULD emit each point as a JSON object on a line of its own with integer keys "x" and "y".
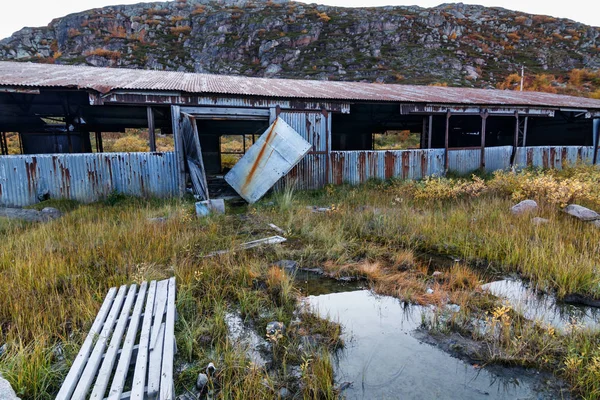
{"x": 453, "y": 44}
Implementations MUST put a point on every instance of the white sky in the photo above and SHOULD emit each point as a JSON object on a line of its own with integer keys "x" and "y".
{"x": 15, "y": 14}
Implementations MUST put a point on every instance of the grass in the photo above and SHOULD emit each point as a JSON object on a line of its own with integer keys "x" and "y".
{"x": 395, "y": 234}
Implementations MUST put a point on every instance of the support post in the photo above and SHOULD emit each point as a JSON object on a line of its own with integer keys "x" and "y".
{"x": 430, "y": 133}
{"x": 179, "y": 155}
{"x": 151, "y": 129}
{"x": 515, "y": 140}
{"x": 484, "y": 116}
{"x": 447, "y": 134}
{"x": 99, "y": 145}
{"x": 3, "y": 144}
{"x": 424, "y": 133}
{"x": 596, "y": 139}
{"x": 525, "y": 123}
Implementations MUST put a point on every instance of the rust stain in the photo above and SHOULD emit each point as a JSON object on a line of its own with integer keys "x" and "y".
{"x": 362, "y": 167}
{"x": 390, "y": 164}
{"x": 405, "y": 164}
{"x": 261, "y": 154}
{"x": 424, "y": 164}
{"x": 552, "y": 157}
{"x": 529, "y": 157}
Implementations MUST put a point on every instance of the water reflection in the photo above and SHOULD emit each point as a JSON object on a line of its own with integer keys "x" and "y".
{"x": 536, "y": 306}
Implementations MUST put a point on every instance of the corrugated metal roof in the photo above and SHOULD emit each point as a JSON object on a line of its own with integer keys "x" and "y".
{"x": 105, "y": 80}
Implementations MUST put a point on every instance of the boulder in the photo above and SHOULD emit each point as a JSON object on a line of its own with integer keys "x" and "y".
{"x": 582, "y": 213}
{"x": 6, "y": 391}
{"x": 523, "y": 207}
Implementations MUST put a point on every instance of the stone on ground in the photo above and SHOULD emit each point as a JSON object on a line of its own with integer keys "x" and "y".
{"x": 30, "y": 215}
{"x": 6, "y": 391}
{"x": 524, "y": 207}
{"x": 201, "y": 382}
{"x": 539, "y": 221}
{"x": 581, "y": 213}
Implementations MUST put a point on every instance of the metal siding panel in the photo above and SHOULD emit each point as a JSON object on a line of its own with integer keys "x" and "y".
{"x": 85, "y": 177}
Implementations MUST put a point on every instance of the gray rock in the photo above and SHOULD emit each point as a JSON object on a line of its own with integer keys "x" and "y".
{"x": 201, "y": 382}
{"x": 437, "y": 274}
{"x": 51, "y": 211}
{"x": 582, "y": 213}
{"x": 26, "y": 214}
{"x": 275, "y": 327}
{"x": 159, "y": 220}
{"x": 596, "y": 223}
{"x": 525, "y": 206}
{"x": 3, "y": 349}
{"x": 429, "y": 291}
{"x": 539, "y": 221}
{"x": 453, "y": 308}
{"x": 284, "y": 393}
{"x": 6, "y": 391}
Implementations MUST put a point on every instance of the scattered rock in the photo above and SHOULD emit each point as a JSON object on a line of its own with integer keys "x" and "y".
{"x": 284, "y": 393}
{"x": 539, "y": 221}
{"x": 275, "y": 328}
{"x": 55, "y": 213}
{"x": 453, "y": 308}
{"x": 29, "y": 215}
{"x": 6, "y": 391}
{"x": 582, "y": 213}
{"x": 159, "y": 220}
{"x": 289, "y": 265}
{"x": 525, "y": 206}
{"x": 246, "y": 337}
{"x": 202, "y": 382}
{"x": 429, "y": 291}
{"x": 437, "y": 274}
{"x": 316, "y": 209}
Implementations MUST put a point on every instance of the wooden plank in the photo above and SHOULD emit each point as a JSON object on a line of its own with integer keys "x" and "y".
{"x": 159, "y": 310}
{"x": 110, "y": 357}
{"x": 154, "y": 367}
{"x": 139, "y": 376}
{"x": 120, "y": 376}
{"x": 484, "y": 116}
{"x": 94, "y": 360}
{"x": 166, "y": 378}
{"x": 447, "y": 134}
{"x": 430, "y": 132}
{"x": 79, "y": 363}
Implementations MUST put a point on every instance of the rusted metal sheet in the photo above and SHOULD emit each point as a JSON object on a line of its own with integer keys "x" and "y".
{"x": 556, "y": 157}
{"x": 105, "y": 80}
{"x": 191, "y": 100}
{"x": 357, "y": 167}
{"x": 273, "y": 155}
{"x": 85, "y": 177}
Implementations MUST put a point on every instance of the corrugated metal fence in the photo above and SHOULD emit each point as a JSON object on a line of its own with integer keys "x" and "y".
{"x": 85, "y": 177}
{"x": 359, "y": 166}
{"x": 90, "y": 177}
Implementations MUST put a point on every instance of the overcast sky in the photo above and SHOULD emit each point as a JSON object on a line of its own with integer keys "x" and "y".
{"x": 15, "y": 14}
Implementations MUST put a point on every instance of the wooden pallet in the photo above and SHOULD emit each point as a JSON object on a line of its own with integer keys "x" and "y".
{"x": 119, "y": 353}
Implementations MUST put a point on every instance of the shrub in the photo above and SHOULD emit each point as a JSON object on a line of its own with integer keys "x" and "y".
{"x": 111, "y": 54}
{"x": 177, "y": 30}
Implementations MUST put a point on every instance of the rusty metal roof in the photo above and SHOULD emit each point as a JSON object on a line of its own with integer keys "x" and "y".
{"x": 104, "y": 80}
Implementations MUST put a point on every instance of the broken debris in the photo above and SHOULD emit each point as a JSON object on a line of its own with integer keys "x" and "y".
{"x": 249, "y": 245}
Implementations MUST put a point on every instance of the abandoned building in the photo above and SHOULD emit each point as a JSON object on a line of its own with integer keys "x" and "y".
{"x": 61, "y": 114}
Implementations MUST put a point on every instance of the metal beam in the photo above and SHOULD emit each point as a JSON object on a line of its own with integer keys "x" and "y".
{"x": 151, "y": 130}
{"x": 427, "y": 109}
{"x": 99, "y": 145}
{"x": 515, "y": 140}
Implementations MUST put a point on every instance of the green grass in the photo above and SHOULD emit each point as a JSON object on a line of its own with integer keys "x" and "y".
{"x": 56, "y": 274}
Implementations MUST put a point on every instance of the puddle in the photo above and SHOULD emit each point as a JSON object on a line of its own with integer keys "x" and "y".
{"x": 313, "y": 284}
{"x": 384, "y": 360}
{"x": 542, "y": 307}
